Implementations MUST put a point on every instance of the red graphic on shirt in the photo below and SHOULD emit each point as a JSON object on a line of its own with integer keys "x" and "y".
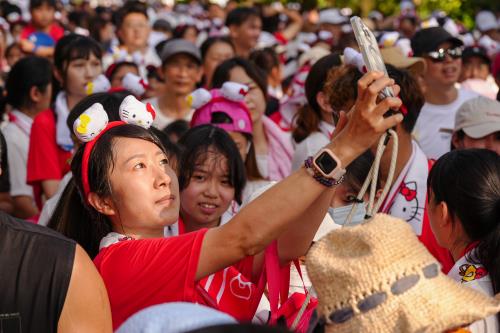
{"x": 407, "y": 192}
{"x": 470, "y": 272}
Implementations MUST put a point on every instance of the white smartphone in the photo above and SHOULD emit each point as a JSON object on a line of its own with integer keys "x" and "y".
{"x": 369, "y": 48}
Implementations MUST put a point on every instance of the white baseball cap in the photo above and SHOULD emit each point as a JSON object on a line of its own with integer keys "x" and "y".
{"x": 478, "y": 117}
{"x": 331, "y": 16}
{"x": 486, "y": 20}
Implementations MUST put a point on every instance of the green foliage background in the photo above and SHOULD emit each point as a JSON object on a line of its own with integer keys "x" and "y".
{"x": 462, "y": 10}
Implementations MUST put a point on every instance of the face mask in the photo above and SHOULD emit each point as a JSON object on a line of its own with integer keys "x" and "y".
{"x": 340, "y": 214}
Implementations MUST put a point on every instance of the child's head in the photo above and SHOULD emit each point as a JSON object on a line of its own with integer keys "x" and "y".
{"x": 117, "y": 71}
{"x": 77, "y": 61}
{"x": 29, "y": 84}
{"x": 42, "y": 12}
{"x": 212, "y": 175}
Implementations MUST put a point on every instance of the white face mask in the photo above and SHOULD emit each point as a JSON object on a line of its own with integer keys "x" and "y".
{"x": 340, "y": 214}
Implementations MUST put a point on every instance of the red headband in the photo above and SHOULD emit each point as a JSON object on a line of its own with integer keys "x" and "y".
{"x": 86, "y": 156}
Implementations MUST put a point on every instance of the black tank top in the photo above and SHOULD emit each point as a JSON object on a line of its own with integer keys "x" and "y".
{"x": 35, "y": 270}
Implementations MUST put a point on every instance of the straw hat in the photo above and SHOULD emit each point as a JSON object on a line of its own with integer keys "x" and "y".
{"x": 394, "y": 56}
{"x": 377, "y": 277}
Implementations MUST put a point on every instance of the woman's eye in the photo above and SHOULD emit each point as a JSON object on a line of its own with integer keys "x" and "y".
{"x": 198, "y": 177}
{"x": 351, "y": 198}
{"x": 164, "y": 161}
{"x": 139, "y": 166}
{"x": 225, "y": 182}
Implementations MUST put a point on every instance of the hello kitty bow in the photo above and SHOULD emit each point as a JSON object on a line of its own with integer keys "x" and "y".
{"x": 407, "y": 192}
{"x": 94, "y": 122}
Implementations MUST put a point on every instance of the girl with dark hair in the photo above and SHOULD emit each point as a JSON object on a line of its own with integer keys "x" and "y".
{"x": 314, "y": 121}
{"x": 273, "y": 147}
{"x": 226, "y": 109}
{"x": 407, "y": 195}
{"x": 187, "y": 31}
{"x": 29, "y": 89}
{"x": 214, "y": 51}
{"x": 77, "y": 61}
{"x": 464, "y": 211}
{"x": 212, "y": 175}
{"x": 124, "y": 193}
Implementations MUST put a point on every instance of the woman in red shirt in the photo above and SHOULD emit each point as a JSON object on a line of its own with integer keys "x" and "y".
{"x": 77, "y": 61}
{"x": 123, "y": 184}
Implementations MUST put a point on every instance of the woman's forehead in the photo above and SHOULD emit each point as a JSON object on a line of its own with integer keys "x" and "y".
{"x": 124, "y": 148}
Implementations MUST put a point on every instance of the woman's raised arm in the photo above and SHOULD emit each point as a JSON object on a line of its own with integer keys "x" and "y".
{"x": 283, "y": 206}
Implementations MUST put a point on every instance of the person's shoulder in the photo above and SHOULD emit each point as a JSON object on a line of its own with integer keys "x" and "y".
{"x": 17, "y": 226}
{"x": 465, "y": 95}
{"x": 46, "y": 117}
{"x": 11, "y": 132}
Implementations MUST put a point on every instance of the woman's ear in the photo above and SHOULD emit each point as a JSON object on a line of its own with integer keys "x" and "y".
{"x": 35, "y": 94}
{"x": 455, "y": 141}
{"x": 59, "y": 76}
{"x": 323, "y": 102}
{"x": 104, "y": 206}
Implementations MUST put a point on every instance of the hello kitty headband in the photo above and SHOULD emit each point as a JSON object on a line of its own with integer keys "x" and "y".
{"x": 229, "y": 99}
{"x": 94, "y": 122}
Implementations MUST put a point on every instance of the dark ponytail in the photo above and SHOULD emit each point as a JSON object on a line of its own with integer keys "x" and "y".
{"x": 309, "y": 116}
{"x": 73, "y": 219}
{"x": 468, "y": 181}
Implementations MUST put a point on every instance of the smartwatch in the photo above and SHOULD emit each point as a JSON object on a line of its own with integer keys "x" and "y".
{"x": 328, "y": 164}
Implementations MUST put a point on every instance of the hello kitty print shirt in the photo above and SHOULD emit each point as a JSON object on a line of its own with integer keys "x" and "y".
{"x": 407, "y": 200}
{"x": 475, "y": 276}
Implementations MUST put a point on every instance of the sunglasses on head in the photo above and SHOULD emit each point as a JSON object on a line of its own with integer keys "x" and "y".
{"x": 440, "y": 55}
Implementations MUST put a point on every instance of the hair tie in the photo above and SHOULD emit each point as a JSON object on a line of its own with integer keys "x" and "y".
{"x": 94, "y": 122}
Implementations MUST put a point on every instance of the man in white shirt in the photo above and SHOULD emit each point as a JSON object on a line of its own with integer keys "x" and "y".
{"x": 181, "y": 71}
{"x": 442, "y": 53}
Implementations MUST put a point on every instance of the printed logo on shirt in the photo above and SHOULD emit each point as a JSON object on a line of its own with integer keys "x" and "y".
{"x": 240, "y": 288}
{"x": 470, "y": 272}
{"x": 10, "y": 323}
{"x": 408, "y": 208}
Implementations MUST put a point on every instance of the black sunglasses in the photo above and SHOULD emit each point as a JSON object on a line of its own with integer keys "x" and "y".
{"x": 440, "y": 55}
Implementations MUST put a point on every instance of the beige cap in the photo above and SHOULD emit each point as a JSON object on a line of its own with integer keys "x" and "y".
{"x": 478, "y": 117}
{"x": 394, "y": 56}
{"x": 378, "y": 277}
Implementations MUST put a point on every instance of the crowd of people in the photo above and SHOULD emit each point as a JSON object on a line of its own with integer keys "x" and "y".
{"x": 204, "y": 167}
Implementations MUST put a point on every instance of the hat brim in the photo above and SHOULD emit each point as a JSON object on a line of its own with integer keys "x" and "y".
{"x": 482, "y": 130}
{"x": 415, "y": 65}
{"x": 453, "y": 40}
{"x": 433, "y": 305}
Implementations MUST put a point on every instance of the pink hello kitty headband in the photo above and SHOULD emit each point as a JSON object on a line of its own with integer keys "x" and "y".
{"x": 229, "y": 99}
{"x": 94, "y": 122}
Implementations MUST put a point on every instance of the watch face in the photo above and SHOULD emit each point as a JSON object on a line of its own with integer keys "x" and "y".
{"x": 326, "y": 163}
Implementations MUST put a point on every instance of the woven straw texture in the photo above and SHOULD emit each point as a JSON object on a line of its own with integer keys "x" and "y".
{"x": 352, "y": 263}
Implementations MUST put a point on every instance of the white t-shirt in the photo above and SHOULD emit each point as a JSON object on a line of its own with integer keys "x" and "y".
{"x": 17, "y": 137}
{"x": 161, "y": 121}
{"x": 475, "y": 276}
{"x": 312, "y": 144}
{"x": 435, "y": 124}
{"x": 50, "y": 205}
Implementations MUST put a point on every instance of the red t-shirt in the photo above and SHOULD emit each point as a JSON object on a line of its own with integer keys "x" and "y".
{"x": 56, "y": 32}
{"x": 233, "y": 290}
{"x": 46, "y": 160}
{"x": 146, "y": 272}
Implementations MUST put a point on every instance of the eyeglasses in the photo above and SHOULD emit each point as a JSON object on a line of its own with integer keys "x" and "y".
{"x": 440, "y": 55}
